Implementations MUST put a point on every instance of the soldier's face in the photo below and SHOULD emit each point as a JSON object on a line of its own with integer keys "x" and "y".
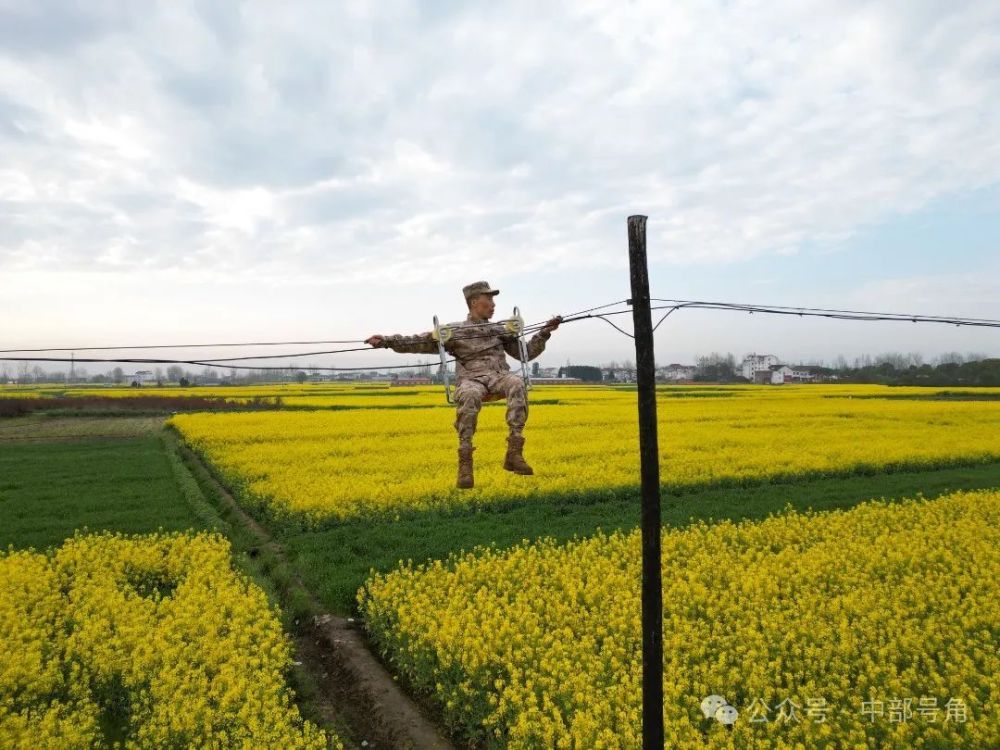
{"x": 482, "y": 306}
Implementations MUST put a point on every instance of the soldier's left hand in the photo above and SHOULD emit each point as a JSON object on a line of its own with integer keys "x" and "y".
{"x": 553, "y": 323}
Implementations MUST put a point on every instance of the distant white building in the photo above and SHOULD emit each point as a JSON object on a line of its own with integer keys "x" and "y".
{"x": 758, "y": 363}
{"x": 412, "y": 381}
{"x": 676, "y": 372}
{"x": 142, "y": 376}
{"x": 618, "y": 375}
{"x": 781, "y": 374}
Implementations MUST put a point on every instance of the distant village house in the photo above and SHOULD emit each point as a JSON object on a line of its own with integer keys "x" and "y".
{"x": 412, "y": 381}
{"x": 676, "y": 373}
{"x": 758, "y": 363}
{"x": 142, "y": 376}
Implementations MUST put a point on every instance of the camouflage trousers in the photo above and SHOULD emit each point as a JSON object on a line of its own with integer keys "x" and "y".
{"x": 472, "y": 391}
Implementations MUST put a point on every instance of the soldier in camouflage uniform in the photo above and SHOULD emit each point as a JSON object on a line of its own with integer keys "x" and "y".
{"x": 480, "y": 349}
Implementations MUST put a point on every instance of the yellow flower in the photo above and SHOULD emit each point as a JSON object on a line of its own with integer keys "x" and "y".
{"x": 157, "y": 635}
{"x": 540, "y": 645}
{"x": 314, "y": 467}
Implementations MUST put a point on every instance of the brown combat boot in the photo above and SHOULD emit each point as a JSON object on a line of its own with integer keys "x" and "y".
{"x": 465, "y": 480}
{"x": 515, "y": 461}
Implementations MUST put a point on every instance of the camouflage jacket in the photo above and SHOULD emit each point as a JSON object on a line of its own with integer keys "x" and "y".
{"x": 478, "y": 346}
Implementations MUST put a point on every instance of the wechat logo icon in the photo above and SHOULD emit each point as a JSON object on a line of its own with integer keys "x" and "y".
{"x": 718, "y": 708}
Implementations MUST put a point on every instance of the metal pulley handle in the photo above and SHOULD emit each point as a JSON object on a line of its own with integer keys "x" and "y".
{"x": 442, "y": 334}
{"x": 516, "y": 325}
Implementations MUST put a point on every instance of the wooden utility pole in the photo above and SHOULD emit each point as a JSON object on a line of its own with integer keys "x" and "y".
{"x": 652, "y": 591}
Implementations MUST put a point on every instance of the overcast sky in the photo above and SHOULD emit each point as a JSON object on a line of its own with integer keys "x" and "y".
{"x": 241, "y": 171}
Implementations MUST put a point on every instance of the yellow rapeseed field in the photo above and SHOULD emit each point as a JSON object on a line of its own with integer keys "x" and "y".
{"x": 383, "y": 395}
{"x": 322, "y": 466}
{"x": 308, "y": 395}
{"x": 145, "y": 641}
{"x": 874, "y": 627}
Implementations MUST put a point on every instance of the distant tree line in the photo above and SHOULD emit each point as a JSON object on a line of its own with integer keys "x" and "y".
{"x": 893, "y": 368}
{"x": 26, "y": 374}
{"x": 973, "y": 372}
{"x": 587, "y": 373}
{"x": 717, "y": 368}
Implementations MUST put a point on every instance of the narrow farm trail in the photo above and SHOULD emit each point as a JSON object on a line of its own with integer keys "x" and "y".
{"x": 356, "y": 689}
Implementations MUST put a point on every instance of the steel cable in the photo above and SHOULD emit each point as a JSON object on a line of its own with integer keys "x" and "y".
{"x": 586, "y": 314}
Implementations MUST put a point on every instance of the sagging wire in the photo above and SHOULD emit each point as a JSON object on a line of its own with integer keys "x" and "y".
{"x": 206, "y": 363}
{"x": 666, "y": 315}
{"x": 572, "y": 317}
{"x": 258, "y": 343}
{"x": 857, "y": 315}
{"x": 176, "y": 346}
{"x": 820, "y": 312}
{"x": 586, "y": 314}
{"x": 221, "y": 361}
{"x": 604, "y": 318}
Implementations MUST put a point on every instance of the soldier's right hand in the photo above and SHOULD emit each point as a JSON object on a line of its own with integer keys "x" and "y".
{"x": 375, "y": 341}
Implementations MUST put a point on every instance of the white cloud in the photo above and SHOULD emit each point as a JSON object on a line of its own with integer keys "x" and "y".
{"x": 405, "y": 143}
{"x": 970, "y": 295}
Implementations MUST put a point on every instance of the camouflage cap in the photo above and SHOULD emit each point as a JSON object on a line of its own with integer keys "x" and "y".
{"x": 477, "y": 288}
